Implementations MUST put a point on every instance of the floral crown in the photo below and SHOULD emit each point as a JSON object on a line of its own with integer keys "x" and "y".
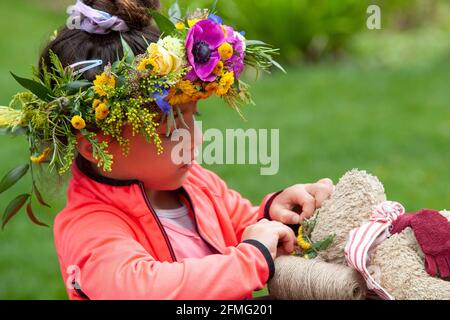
{"x": 196, "y": 57}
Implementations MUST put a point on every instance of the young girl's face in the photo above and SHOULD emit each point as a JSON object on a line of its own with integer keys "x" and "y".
{"x": 158, "y": 172}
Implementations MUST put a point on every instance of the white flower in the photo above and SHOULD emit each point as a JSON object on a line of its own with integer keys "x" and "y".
{"x": 241, "y": 38}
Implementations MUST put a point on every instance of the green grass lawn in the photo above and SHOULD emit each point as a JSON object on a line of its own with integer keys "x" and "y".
{"x": 392, "y": 122}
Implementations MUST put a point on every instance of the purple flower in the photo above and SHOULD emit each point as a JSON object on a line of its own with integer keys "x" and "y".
{"x": 236, "y": 62}
{"x": 160, "y": 99}
{"x": 202, "y": 42}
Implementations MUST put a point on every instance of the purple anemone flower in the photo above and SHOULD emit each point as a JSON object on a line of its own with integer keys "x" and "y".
{"x": 202, "y": 43}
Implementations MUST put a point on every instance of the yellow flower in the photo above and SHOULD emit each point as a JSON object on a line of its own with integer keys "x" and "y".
{"x": 302, "y": 243}
{"x": 204, "y": 92}
{"x": 176, "y": 49}
{"x": 78, "y": 122}
{"x": 96, "y": 103}
{"x": 164, "y": 60}
{"x": 182, "y": 93}
{"x": 40, "y": 158}
{"x": 212, "y": 86}
{"x": 218, "y": 69}
{"x": 144, "y": 63}
{"x": 180, "y": 25}
{"x": 101, "y": 112}
{"x": 192, "y": 22}
{"x": 103, "y": 83}
{"x": 225, "y": 83}
{"x": 226, "y": 51}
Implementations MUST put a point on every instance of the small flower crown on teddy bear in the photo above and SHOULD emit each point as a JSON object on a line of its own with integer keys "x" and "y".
{"x": 196, "y": 57}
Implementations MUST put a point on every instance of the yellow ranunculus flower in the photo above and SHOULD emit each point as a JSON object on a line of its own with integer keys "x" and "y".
{"x": 78, "y": 122}
{"x": 165, "y": 61}
{"x": 226, "y": 51}
{"x": 101, "y": 112}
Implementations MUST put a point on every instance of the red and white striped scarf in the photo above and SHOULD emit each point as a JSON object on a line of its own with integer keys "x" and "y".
{"x": 366, "y": 237}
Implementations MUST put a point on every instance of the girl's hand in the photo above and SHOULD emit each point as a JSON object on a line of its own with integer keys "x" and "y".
{"x": 306, "y": 197}
{"x": 278, "y": 238}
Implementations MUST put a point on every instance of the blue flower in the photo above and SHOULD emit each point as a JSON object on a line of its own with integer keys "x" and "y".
{"x": 161, "y": 102}
{"x": 214, "y": 18}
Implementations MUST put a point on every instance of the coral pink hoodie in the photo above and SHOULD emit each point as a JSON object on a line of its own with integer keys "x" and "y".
{"x": 111, "y": 245}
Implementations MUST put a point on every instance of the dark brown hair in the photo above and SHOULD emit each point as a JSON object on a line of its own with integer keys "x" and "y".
{"x": 75, "y": 45}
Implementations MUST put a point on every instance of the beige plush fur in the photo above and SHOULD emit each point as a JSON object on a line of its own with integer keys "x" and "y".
{"x": 397, "y": 263}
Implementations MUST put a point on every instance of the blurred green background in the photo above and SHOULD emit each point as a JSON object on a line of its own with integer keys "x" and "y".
{"x": 372, "y": 99}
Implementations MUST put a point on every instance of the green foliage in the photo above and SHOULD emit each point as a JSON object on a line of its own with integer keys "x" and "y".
{"x": 13, "y": 176}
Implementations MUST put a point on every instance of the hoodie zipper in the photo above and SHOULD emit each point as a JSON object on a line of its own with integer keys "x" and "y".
{"x": 163, "y": 231}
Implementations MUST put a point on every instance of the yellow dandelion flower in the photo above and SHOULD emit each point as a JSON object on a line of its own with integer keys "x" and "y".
{"x": 218, "y": 69}
{"x": 40, "y": 158}
{"x": 226, "y": 51}
{"x": 302, "y": 243}
{"x": 192, "y": 22}
{"x": 103, "y": 83}
{"x": 101, "y": 112}
{"x": 225, "y": 83}
{"x": 180, "y": 26}
{"x": 78, "y": 122}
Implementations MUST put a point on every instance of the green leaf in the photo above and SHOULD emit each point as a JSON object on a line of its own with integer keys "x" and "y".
{"x": 214, "y": 6}
{"x": 127, "y": 52}
{"x": 164, "y": 24}
{"x": 19, "y": 130}
{"x": 255, "y": 43}
{"x": 13, "y": 176}
{"x": 39, "y": 196}
{"x": 170, "y": 122}
{"x": 35, "y": 87}
{"x": 32, "y": 216}
{"x": 13, "y": 207}
{"x": 121, "y": 81}
{"x": 323, "y": 244}
{"x": 175, "y": 12}
{"x": 75, "y": 86}
{"x": 276, "y": 64}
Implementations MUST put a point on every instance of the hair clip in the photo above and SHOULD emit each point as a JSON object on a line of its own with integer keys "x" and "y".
{"x": 90, "y": 65}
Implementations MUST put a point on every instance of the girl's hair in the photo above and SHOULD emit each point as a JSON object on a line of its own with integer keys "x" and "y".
{"x": 73, "y": 45}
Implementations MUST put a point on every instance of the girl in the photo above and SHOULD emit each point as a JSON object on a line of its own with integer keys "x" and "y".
{"x": 150, "y": 228}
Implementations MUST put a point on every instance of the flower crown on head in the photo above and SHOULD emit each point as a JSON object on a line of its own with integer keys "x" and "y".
{"x": 196, "y": 57}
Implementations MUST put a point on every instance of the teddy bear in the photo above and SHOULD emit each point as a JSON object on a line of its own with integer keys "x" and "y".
{"x": 393, "y": 267}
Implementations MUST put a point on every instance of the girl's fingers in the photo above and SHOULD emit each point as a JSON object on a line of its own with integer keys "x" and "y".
{"x": 287, "y": 238}
{"x": 287, "y": 216}
{"x": 301, "y": 197}
{"x": 320, "y": 191}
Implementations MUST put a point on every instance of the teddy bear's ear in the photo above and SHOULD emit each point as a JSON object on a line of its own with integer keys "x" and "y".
{"x": 355, "y": 196}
